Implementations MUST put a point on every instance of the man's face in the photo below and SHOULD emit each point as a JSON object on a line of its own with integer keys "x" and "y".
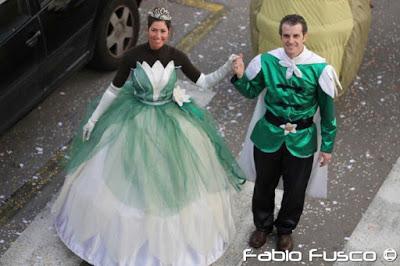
{"x": 293, "y": 39}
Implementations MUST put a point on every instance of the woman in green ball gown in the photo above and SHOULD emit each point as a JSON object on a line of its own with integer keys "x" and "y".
{"x": 150, "y": 183}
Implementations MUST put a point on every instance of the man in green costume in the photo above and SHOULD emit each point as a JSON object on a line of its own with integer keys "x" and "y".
{"x": 298, "y": 82}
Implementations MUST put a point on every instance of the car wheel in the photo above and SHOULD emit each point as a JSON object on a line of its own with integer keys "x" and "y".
{"x": 117, "y": 30}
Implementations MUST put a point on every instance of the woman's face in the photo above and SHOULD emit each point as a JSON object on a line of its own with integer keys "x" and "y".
{"x": 158, "y": 34}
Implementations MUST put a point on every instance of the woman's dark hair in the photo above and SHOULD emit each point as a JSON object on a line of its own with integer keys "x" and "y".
{"x": 292, "y": 20}
{"x": 151, "y": 20}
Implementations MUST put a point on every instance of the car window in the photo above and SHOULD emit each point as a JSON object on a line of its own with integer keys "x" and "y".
{"x": 13, "y": 13}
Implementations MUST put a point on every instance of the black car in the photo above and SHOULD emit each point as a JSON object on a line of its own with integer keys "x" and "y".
{"x": 43, "y": 41}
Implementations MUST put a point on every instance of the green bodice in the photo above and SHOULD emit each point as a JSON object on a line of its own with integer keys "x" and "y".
{"x": 153, "y": 84}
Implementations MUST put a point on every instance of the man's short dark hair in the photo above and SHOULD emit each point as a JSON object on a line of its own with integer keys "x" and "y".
{"x": 292, "y": 20}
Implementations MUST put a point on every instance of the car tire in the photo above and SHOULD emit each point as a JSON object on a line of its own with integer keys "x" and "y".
{"x": 117, "y": 30}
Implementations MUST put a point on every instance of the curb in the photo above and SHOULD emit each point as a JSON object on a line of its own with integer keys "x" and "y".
{"x": 379, "y": 229}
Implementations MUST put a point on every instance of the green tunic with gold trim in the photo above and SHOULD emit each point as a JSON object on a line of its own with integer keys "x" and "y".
{"x": 295, "y": 89}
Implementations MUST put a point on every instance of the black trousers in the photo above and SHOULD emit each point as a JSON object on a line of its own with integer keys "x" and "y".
{"x": 295, "y": 173}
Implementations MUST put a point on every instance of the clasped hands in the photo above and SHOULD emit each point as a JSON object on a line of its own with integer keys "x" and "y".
{"x": 238, "y": 65}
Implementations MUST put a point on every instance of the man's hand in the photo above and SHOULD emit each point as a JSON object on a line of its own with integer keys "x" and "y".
{"x": 238, "y": 66}
{"x": 324, "y": 158}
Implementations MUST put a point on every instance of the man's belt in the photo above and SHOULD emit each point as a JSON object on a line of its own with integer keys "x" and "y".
{"x": 288, "y": 126}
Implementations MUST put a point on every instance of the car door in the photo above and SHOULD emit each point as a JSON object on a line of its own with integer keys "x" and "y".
{"x": 21, "y": 49}
{"x": 67, "y": 28}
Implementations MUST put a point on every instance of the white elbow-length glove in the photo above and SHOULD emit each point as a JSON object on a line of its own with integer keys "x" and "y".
{"x": 209, "y": 80}
{"x": 108, "y": 97}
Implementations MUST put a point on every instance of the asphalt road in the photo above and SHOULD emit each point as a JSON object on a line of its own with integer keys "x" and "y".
{"x": 367, "y": 145}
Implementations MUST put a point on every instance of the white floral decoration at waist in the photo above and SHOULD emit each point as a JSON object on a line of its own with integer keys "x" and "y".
{"x": 179, "y": 96}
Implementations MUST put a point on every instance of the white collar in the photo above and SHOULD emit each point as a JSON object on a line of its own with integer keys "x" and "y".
{"x": 305, "y": 57}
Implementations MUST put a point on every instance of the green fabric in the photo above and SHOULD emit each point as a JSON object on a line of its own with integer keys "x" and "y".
{"x": 290, "y": 105}
{"x": 337, "y": 30}
{"x": 159, "y": 157}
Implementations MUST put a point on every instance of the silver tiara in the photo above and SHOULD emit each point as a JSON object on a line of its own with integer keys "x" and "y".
{"x": 160, "y": 13}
